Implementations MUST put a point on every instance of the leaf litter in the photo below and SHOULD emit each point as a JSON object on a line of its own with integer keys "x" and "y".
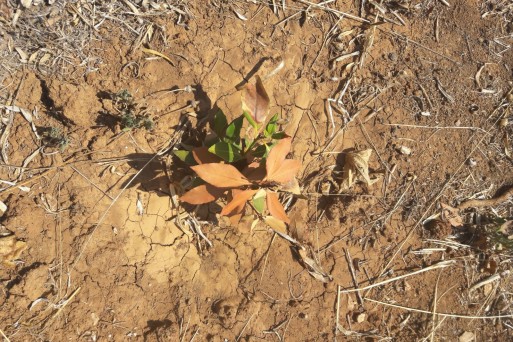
{"x": 356, "y": 168}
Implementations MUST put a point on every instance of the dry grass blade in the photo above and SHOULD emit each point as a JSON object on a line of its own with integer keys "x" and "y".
{"x": 221, "y": 175}
{"x": 442, "y": 264}
{"x": 437, "y": 313}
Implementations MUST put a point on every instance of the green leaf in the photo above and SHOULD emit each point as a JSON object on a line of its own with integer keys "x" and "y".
{"x": 220, "y": 123}
{"x": 271, "y": 126}
{"x": 279, "y": 135}
{"x": 262, "y": 151}
{"x": 185, "y": 156}
{"x": 228, "y": 152}
{"x": 250, "y": 119}
{"x": 233, "y": 129}
{"x": 259, "y": 201}
{"x": 259, "y": 151}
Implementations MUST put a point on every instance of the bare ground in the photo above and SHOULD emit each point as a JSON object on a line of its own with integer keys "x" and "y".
{"x": 430, "y": 96}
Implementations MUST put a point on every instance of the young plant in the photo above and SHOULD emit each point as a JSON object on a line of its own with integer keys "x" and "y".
{"x": 251, "y": 168}
{"x": 54, "y": 137}
{"x": 131, "y": 115}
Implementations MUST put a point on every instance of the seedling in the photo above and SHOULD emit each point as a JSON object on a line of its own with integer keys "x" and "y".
{"x": 132, "y": 117}
{"x": 250, "y": 167}
{"x": 54, "y": 137}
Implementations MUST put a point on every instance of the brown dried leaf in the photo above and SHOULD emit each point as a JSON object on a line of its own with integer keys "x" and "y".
{"x": 10, "y": 249}
{"x": 202, "y": 194}
{"x": 313, "y": 267}
{"x": 203, "y": 156}
{"x": 292, "y": 187}
{"x": 452, "y": 215}
{"x": 255, "y": 172}
{"x": 236, "y": 215}
{"x": 285, "y": 172}
{"x": 276, "y": 224}
{"x": 239, "y": 199}
{"x": 221, "y": 175}
{"x": 277, "y": 156}
{"x": 275, "y": 208}
{"x": 356, "y": 167}
{"x": 255, "y": 100}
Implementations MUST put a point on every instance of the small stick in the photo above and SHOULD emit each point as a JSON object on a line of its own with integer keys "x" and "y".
{"x": 353, "y": 275}
{"x": 93, "y": 184}
{"x": 244, "y": 328}
{"x": 437, "y": 127}
{"x": 424, "y": 92}
{"x": 477, "y": 203}
{"x": 343, "y": 14}
{"x": 441, "y": 264}
{"x": 62, "y": 307}
{"x": 3, "y": 335}
{"x": 438, "y": 313}
{"x": 266, "y": 256}
{"x": 194, "y": 336}
{"x": 338, "y": 310}
{"x": 433, "y": 329}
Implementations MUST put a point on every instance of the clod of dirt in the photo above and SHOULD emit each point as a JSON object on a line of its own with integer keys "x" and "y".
{"x": 467, "y": 336}
{"x": 79, "y": 104}
{"x": 10, "y": 249}
{"x": 227, "y": 309}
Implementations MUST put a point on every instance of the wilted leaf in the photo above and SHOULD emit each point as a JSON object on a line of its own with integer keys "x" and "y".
{"x": 239, "y": 199}
{"x": 356, "y": 167}
{"x": 203, "y": 155}
{"x": 452, "y": 215}
{"x": 291, "y": 186}
{"x": 277, "y": 155}
{"x": 275, "y": 208}
{"x": 255, "y": 100}
{"x": 221, "y": 175}
{"x": 313, "y": 267}
{"x": 259, "y": 200}
{"x": 276, "y": 224}
{"x": 202, "y": 194}
{"x": 285, "y": 172}
{"x": 226, "y": 151}
{"x": 10, "y": 249}
{"x": 185, "y": 156}
{"x": 236, "y": 215}
{"x": 255, "y": 172}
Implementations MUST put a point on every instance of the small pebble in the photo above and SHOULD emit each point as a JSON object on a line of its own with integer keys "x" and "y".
{"x": 392, "y": 56}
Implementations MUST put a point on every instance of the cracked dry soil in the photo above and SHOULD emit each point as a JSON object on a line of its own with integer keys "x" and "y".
{"x": 140, "y": 277}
